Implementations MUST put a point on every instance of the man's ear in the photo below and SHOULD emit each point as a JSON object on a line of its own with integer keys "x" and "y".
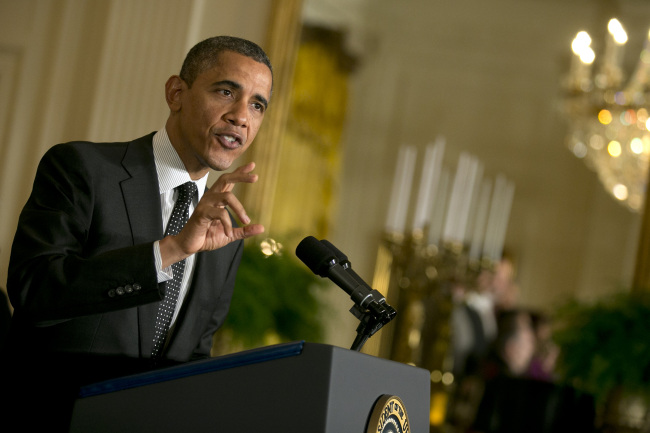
{"x": 174, "y": 87}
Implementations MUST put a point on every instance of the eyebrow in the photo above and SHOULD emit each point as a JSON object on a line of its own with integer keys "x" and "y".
{"x": 237, "y": 86}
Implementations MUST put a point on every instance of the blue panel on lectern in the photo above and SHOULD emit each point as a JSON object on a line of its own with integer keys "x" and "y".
{"x": 254, "y": 356}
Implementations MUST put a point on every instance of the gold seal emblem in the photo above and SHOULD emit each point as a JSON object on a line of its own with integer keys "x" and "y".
{"x": 389, "y": 416}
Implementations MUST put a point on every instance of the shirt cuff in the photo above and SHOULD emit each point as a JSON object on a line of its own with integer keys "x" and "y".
{"x": 163, "y": 274}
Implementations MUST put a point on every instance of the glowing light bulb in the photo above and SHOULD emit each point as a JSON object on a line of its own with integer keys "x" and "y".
{"x": 615, "y": 28}
{"x": 587, "y": 56}
{"x": 614, "y": 148}
{"x": 580, "y": 42}
{"x": 581, "y": 48}
{"x": 636, "y": 145}
{"x": 605, "y": 117}
{"x": 620, "y": 191}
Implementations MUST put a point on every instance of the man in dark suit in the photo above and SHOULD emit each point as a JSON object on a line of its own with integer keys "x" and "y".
{"x": 90, "y": 265}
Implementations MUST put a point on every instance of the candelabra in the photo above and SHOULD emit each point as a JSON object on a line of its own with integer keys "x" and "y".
{"x": 608, "y": 117}
{"x": 457, "y": 232}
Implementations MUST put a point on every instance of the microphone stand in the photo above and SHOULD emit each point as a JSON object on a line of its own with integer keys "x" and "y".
{"x": 370, "y": 306}
{"x": 371, "y": 319}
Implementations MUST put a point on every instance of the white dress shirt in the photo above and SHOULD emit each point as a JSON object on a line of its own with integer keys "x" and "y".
{"x": 172, "y": 173}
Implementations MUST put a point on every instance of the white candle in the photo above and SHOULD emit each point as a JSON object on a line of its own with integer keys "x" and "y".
{"x": 428, "y": 183}
{"x": 440, "y": 208}
{"x": 480, "y": 220}
{"x": 450, "y": 230}
{"x": 435, "y": 188}
{"x": 476, "y": 192}
{"x": 475, "y": 169}
{"x": 391, "y": 216}
{"x": 614, "y": 52}
{"x": 400, "y": 194}
{"x": 580, "y": 72}
{"x": 493, "y": 218}
{"x": 508, "y": 194}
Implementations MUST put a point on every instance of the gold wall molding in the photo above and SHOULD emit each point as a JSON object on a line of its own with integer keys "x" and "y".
{"x": 282, "y": 48}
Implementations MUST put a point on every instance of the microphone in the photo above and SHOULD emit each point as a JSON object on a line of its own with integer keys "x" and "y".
{"x": 345, "y": 263}
{"x": 323, "y": 261}
{"x": 316, "y": 256}
{"x": 370, "y": 307}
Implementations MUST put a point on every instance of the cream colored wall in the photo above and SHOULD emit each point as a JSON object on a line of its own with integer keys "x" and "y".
{"x": 486, "y": 75}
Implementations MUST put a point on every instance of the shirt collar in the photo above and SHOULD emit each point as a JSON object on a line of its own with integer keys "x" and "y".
{"x": 169, "y": 166}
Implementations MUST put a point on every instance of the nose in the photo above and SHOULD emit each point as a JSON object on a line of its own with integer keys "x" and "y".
{"x": 237, "y": 115}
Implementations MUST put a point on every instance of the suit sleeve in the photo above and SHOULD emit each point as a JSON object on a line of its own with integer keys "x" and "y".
{"x": 54, "y": 272}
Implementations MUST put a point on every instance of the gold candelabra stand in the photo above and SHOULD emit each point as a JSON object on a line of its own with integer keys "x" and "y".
{"x": 420, "y": 280}
{"x": 458, "y": 229}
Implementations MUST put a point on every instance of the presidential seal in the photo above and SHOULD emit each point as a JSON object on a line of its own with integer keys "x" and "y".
{"x": 388, "y": 416}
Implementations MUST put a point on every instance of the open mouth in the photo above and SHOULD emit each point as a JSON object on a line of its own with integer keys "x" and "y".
{"x": 229, "y": 141}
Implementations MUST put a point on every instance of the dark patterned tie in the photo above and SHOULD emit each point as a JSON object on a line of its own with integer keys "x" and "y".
{"x": 176, "y": 222}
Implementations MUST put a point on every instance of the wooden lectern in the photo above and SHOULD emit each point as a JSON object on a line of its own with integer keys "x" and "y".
{"x": 293, "y": 387}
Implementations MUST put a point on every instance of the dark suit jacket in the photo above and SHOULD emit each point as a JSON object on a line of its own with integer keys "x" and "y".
{"x": 82, "y": 276}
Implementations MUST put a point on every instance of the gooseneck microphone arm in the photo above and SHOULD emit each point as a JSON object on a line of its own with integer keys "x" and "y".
{"x": 370, "y": 306}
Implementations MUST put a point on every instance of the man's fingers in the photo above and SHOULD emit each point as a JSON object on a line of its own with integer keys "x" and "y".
{"x": 248, "y": 231}
{"x": 236, "y": 206}
{"x": 214, "y": 203}
{"x": 210, "y": 226}
{"x": 227, "y": 181}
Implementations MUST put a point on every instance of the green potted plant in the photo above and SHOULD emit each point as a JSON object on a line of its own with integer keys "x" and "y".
{"x": 275, "y": 300}
{"x": 605, "y": 351}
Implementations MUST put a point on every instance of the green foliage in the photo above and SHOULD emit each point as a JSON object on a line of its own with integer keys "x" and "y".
{"x": 606, "y": 345}
{"x": 274, "y": 294}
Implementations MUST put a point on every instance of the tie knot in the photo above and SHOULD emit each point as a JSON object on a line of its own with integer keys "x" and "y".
{"x": 186, "y": 192}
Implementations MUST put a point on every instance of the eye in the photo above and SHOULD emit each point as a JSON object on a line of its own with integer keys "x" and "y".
{"x": 225, "y": 92}
{"x": 258, "y": 107}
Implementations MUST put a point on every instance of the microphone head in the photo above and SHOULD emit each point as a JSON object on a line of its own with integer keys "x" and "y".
{"x": 342, "y": 258}
{"x": 318, "y": 257}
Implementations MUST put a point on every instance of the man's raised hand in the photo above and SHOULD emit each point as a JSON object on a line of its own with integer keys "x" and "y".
{"x": 210, "y": 226}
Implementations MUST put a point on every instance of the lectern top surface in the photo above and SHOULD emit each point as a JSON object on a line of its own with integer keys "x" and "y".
{"x": 248, "y": 357}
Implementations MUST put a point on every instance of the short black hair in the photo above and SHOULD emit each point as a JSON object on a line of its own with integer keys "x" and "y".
{"x": 203, "y": 55}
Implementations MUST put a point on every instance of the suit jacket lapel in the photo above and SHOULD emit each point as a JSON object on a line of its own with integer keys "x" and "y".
{"x": 142, "y": 200}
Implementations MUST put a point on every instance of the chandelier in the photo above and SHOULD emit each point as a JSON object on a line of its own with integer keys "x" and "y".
{"x": 609, "y": 126}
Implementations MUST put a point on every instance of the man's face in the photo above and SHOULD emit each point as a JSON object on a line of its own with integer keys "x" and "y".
{"x": 219, "y": 116}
